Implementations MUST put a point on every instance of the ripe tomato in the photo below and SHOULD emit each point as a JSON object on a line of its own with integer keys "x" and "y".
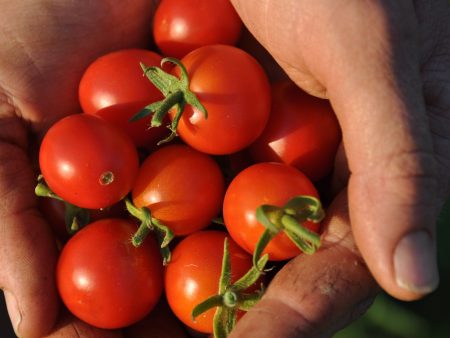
{"x": 264, "y": 183}
{"x": 302, "y": 131}
{"x": 104, "y": 280}
{"x": 193, "y": 274}
{"x": 88, "y": 162}
{"x": 182, "y": 187}
{"x": 114, "y": 88}
{"x": 235, "y": 91}
{"x": 181, "y": 26}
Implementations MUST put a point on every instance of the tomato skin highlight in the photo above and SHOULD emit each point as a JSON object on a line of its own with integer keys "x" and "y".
{"x": 235, "y": 91}
{"x": 88, "y": 162}
{"x": 104, "y": 280}
{"x": 182, "y": 187}
{"x": 264, "y": 183}
{"x": 194, "y": 272}
{"x": 302, "y": 131}
{"x": 180, "y": 26}
{"x": 114, "y": 88}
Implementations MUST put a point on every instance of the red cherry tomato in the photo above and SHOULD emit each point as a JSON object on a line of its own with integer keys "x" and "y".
{"x": 264, "y": 183}
{"x": 104, "y": 280}
{"x": 87, "y": 161}
{"x": 236, "y": 93}
{"x": 182, "y": 187}
{"x": 302, "y": 131}
{"x": 114, "y": 88}
{"x": 181, "y": 26}
{"x": 193, "y": 274}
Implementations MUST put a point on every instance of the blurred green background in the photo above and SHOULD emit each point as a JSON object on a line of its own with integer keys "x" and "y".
{"x": 426, "y": 318}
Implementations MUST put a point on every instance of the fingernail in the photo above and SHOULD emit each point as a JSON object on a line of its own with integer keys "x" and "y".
{"x": 13, "y": 311}
{"x": 415, "y": 263}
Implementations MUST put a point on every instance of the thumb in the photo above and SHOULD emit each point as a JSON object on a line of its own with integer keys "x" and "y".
{"x": 393, "y": 183}
{"x": 364, "y": 56}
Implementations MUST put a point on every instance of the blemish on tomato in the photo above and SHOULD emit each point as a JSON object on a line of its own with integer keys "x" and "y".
{"x": 106, "y": 178}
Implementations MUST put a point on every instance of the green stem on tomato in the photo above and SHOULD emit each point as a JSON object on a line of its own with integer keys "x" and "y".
{"x": 306, "y": 240}
{"x": 74, "y": 217}
{"x": 150, "y": 224}
{"x": 289, "y": 219}
{"x": 176, "y": 95}
{"x": 231, "y": 297}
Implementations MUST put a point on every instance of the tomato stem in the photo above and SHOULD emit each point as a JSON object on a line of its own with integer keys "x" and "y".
{"x": 176, "y": 95}
{"x": 150, "y": 224}
{"x": 308, "y": 241}
{"x": 74, "y": 218}
{"x": 230, "y": 296}
{"x": 289, "y": 219}
{"x": 43, "y": 190}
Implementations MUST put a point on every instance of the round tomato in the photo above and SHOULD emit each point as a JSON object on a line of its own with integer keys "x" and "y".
{"x": 181, "y": 26}
{"x": 235, "y": 91}
{"x": 183, "y": 188}
{"x": 193, "y": 275}
{"x": 114, "y": 88}
{"x": 302, "y": 131}
{"x": 264, "y": 183}
{"x": 88, "y": 162}
{"x": 104, "y": 280}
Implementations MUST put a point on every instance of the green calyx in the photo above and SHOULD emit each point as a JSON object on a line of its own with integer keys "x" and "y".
{"x": 150, "y": 224}
{"x": 231, "y": 296}
{"x": 290, "y": 219}
{"x": 176, "y": 95}
{"x": 74, "y": 218}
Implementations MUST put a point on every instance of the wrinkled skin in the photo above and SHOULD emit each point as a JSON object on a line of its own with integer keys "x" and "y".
{"x": 385, "y": 66}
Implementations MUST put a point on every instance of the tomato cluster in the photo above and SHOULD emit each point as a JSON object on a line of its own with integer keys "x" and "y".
{"x": 205, "y": 210}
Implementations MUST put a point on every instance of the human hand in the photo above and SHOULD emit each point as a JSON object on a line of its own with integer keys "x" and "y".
{"x": 384, "y": 66}
{"x": 46, "y": 45}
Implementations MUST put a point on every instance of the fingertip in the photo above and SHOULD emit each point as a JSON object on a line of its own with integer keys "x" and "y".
{"x": 415, "y": 265}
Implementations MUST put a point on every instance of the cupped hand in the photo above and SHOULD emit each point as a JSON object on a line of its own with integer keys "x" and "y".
{"x": 385, "y": 67}
{"x": 45, "y": 47}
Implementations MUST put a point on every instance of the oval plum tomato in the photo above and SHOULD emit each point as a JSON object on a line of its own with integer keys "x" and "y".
{"x": 104, "y": 280}
{"x": 264, "y": 183}
{"x": 235, "y": 91}
{"x": 181, "y": 26}
{"x": 302, "y": 131}
{"x": 183, "y": 188}
{"x": 193, "y": 275}
{"x": 114, "y": 88}
{"x": 88, "y": 162}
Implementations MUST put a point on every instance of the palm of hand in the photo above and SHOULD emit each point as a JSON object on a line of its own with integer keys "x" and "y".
{"x": 44, "y": 52}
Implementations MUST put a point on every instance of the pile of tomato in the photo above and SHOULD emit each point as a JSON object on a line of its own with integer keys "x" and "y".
{"x": 177, "y": 149}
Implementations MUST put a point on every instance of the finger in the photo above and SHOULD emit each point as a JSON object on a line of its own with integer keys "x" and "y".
{"x": 315, "y": 296}
{"x": 28, "y": 252}
{"x": 364, "y": 57}
{"x": 69, "y": 326}
{"x": 160, "y": 323}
